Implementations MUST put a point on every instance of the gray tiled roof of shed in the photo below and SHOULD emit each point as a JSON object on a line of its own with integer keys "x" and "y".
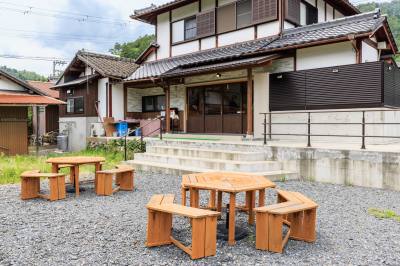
{"x": 353, "y": 25}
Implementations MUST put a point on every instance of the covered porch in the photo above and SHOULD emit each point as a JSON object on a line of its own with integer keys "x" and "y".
{"x": 205, "y": 99}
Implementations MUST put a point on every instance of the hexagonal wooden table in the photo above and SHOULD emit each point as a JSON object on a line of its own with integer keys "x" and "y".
{"x": 232, "y": 183}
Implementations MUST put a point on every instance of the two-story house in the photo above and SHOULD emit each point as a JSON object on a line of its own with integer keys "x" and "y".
{"x": 220, "y": 63}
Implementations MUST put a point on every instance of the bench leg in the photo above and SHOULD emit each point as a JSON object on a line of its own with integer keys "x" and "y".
{"x": 275, "y": 241}
{"x": 126, "y": 181}
{"x": 30, "y": 188}
{"x": 104, "y": 184}
{"x": 219, "y": 201}
{"x": 210, "y": 248}
{"x": 252, "y": 202}
{"x": 57, "y": 188}
{"x": 159, "y": 226}
{"x": 262, "y": 233}
{"x": 303, "y": 225}
{"x": 183, "y": 191}
{"x": 198, "y": 238}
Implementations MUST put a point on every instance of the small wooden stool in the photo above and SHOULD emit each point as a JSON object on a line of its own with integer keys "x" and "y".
{"x": 30, "y": 185}
{"x": 294, "y": 210}
{"x": 124, "y": 180}
{"x": 204, "y": 226}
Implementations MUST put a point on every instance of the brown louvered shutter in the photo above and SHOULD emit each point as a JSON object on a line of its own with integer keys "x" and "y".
{"x": 206, "y": 24}
{"x": 226, "y": 20}
{"x": 292, "y": 11}
{"x": 265, "y": 10}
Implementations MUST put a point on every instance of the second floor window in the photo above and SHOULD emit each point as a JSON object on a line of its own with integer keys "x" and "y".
{"x": 190, "y": 28}
{"x": 243, "y": 13}
{"x": 75, "y": 105}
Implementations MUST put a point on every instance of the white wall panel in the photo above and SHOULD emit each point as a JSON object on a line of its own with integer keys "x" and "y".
{"x": 207, "y": 5}
{"x": 102, "y": 96}
{"x": 268, "y": 29}
{"x": 208, "y": 43}
{"x": 185, "y": 48}
{"x": 303, "y": 14}
{"x": 338, "y": 14}
{"x": 326, "y": 56}
{"x": 185, "y": 11}
{"x": 369, "y": 54}
{"x": 321, "y": 10}
{"x": 288, "y": 25}
{"x": 329, "y": 12}
{"x": 118, "y": 101}
{"x": 8, "y": 85}
{"x": 236, "y": 36}
{"x": 163, "y": 37}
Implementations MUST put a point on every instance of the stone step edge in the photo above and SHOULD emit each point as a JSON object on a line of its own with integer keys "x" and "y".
{"x": 207, "y": 159}
{"x": 206, "y": 150}
{"x": 201, "y": 170}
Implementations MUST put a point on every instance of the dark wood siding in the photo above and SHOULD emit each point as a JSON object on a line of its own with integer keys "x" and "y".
{"x": 13, "y": 130}
{"x": 265, "y": 10}
{"x": 90, "y": 98}
{"x": 206, "y": 24}
{"x": 391, "y": 86}
{"x": 52, "y": 117}
{"x": 349, "y": 86}
{"x": 292, "y": 11}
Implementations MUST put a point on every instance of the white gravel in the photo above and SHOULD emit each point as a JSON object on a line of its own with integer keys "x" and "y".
{"x": 92, "y": 230}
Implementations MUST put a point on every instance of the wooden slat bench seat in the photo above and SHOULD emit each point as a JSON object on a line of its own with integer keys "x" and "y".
{"x": 124, "y": 180}
{"x": 161, "y": 209}
{"x": 294, "y": 210}
{"x": 30, "y": 185}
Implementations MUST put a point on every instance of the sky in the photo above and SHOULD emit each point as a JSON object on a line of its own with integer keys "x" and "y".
{"x": 51, "y": 28}
{"x": 42, "y": 32}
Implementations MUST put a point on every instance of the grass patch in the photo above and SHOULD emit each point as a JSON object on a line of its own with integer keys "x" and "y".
{"x": 11, "y": 167}
{"x": 384, "y": 214}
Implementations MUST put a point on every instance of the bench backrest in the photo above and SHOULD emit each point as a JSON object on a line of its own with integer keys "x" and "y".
{"x": 164, "y": 203}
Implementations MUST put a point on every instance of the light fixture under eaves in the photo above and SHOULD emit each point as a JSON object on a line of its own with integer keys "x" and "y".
{"x": 218, "y": 75}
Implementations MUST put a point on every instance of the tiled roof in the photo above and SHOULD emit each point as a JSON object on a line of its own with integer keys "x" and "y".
{"x": 45, "y": 87}
{"x": 343, "y": 27}
{"x": 108, "y": 65}
{"x": 26, "y": 99}
{"x": 77, "y": 81}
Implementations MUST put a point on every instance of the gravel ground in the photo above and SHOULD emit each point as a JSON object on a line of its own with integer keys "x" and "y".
{"x": 111, "y": 230}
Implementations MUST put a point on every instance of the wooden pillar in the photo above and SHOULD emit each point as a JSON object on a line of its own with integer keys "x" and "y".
{"x": 167, "y": 109}
{"x": 250, "y": 130}
{"x": 358, "y": 51}
{"x": 110, "y": 107}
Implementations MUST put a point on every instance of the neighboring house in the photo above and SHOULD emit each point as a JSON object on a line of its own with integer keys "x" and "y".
{"x": 221, "y": 63}
{"x": 48, "y": 116}
{"x": 16, "y": 96}
{"x": 91, "y": 86}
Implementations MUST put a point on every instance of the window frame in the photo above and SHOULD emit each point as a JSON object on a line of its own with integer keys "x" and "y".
{"x": 237, "y": 14}
{"x": 191, "y": 18}
{"x": 308, "y": 6}
{"x": 155, "y": 103}
{"x": 74, "y": 107}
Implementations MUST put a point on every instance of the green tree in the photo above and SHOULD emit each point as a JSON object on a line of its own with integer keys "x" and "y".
{"x": 132, "y": 49}
{"x": 23, "y": 74}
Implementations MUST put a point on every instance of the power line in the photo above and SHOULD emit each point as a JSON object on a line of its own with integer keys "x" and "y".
{"x": 35, "y": 58}
{"x": 28, "y": 10}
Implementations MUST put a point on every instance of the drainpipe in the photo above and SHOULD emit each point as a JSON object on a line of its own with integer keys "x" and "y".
{"x": 281, "y": 17}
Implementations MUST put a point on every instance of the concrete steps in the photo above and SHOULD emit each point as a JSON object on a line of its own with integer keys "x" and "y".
{"x": 183, "y": 158}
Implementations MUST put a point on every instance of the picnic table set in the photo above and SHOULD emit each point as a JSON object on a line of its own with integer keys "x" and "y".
{"x": 293, "y": 210}
{"x": 30, "y": 180}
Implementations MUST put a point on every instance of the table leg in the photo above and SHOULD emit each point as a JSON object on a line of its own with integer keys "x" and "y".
{"x": 219, "y": 201}
{"x": 54, "y": 168}
{"x": 194, "y": 198}
{"x": 252, "y": 202}
{"x": 76, "y": 179}
{"x": 211, "y": 204}
{"x": 232, "y": 207}
{"x": 261, "y": 198}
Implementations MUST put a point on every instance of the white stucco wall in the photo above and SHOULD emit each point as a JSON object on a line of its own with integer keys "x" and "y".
{"x": 288, "y": 25}
{"x": 329, "y": 12}
{"x": 338, "y": 14}
{"x": 326, "y": 56}
{"x": 369, "y": 53}
{"x": 102, "y": 96}
{"x": 321, "y": 10}
{"x": 8, "y": 85}
{"x": 268, "y": 29}
{"x": 163, "y": 37}
{"x": 185, "y": 48}
{"x": 118, "y": 101}
{"x": 261, "y": 101}
{"x": 151, "y": 57}
{"x": 207, "y": 5}
{"x": 79, "y": 131}
{"x": 236, "y": 36}
{"x": 208, "y": 43}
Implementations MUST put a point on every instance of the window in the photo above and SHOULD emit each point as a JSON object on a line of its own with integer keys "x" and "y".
{"x": 75, "y": 105}
{"x": 153, "y": 103}
{"x": 309, "y": 14}
{"x": 243, "y": 13}
{"x": 190, "y": 28}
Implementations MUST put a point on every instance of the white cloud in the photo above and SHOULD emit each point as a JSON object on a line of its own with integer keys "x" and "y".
{"x": 14, "y": 27}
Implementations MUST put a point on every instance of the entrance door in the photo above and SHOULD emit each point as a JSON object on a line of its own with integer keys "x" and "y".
{"x": 217, "y": 109}
{"x": 213, "y": 109}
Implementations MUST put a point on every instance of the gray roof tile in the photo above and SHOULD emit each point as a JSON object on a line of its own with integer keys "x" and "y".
{"x": 358, "y": 24}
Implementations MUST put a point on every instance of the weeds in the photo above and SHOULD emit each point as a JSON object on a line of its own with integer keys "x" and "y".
{"x": 384, "y": 214}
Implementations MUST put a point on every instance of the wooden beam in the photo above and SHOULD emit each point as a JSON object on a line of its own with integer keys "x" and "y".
{"x": 167, "y": 109}
{"x": 250, "y": 130}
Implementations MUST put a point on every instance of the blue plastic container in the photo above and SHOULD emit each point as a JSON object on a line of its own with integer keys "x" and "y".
{"x": 122, "y": 128}
{"x": 138, "y": 132}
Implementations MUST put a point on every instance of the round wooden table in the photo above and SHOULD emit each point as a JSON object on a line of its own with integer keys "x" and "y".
{"x": 74, "y": 162}
{"x": 231, "y": 183}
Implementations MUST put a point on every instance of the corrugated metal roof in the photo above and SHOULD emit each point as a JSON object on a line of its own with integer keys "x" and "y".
{"x": 358, "y": 24}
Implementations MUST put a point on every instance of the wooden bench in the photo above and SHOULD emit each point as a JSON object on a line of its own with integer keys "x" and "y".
{"x": 124, "y": 180}
{"x": 161, "y": 209}
{"x": 30, "y": 185}
{"x": 294, "y": 210}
